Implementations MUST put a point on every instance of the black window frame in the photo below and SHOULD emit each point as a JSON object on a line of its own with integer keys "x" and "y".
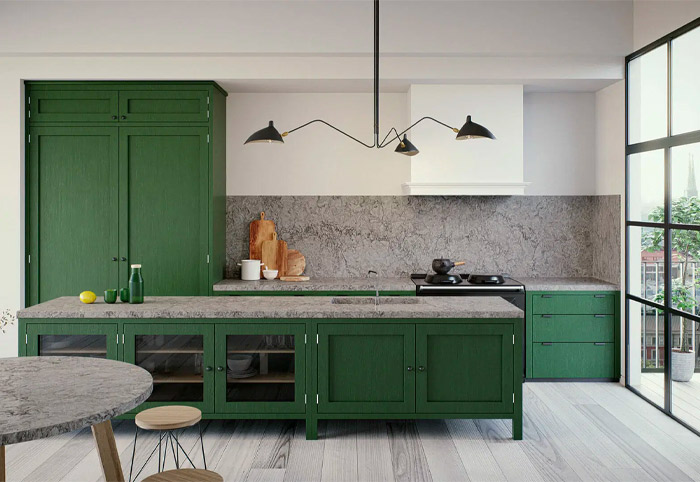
{"x": 665, "y": 143}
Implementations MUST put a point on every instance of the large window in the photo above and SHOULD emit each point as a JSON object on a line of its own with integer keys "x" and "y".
{"x": 663, "y": 224}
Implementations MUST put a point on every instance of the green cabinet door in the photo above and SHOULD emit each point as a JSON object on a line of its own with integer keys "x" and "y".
{"x": 95, "y": 340}
{"x": 179, "y": 356}
{"x": 464, "y": 368}
{"x": 72, "y": 105}
{"x": 163, "y": 208}
{"x": 366, "y": 368}
{"x": 164, "y": 105}
{"x": 573, "y": 360}
{"x": 72, "y": 209}
{"x": 260, "y": 368}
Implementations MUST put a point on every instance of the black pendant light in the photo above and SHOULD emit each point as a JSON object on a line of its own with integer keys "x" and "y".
{"x": 470, "y": 130}
{"x": 406, "y": 148}
{"x": 266, "y": 134}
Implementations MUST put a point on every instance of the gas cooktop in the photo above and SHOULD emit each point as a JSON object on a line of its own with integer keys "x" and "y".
{"x": 461, "y": 284}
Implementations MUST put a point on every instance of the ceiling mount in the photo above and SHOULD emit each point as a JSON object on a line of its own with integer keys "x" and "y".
{"x": 470, "y": 130}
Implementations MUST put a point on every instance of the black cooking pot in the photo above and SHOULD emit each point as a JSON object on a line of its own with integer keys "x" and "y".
{"x": 443, "y": 266}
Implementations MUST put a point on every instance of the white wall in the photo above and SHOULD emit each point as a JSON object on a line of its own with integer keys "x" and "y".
{"x": 655, "y": 18}
{"x": 315, "y": 160}
{"x": 560, "y": 143}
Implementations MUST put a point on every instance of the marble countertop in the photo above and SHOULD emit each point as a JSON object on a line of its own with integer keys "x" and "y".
{"x": 402, "y": 284}
{"x": 566, "y": 284}
{"x": 318, "y": 284}
{"x": 279, "y": 307}
{"x": 46, "y": 396}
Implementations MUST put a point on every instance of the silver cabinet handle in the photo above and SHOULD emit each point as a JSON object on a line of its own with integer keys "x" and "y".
{"x": 421, "y": 369}
{"x": 409, "y": 368}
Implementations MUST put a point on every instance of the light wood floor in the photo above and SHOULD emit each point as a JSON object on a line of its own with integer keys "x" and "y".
{"x": 572, "y": 431}
{"x": 686, "y": 396}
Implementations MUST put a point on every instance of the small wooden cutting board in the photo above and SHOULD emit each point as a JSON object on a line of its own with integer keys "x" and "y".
{"x": 274, "y": 255}
{"x": 260, "y": 230}
{"x": 296, "y": 263}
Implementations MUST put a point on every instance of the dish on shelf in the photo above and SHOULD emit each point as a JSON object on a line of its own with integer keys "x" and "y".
{"x": 250, "y": 372}
{"x": 239, "y": 363}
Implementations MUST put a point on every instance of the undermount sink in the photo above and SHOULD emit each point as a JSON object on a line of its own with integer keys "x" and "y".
{"x": 370, "y": 300}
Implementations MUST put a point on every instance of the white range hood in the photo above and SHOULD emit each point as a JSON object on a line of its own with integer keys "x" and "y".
{"x": 481, "y": 167}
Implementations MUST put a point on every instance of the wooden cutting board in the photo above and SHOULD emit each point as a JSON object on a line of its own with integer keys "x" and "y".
{"x": 260, "y": 230}
{"x": 294, "y": 278}
{"x": 296, "y": 263}
{"x": 274, "y": 255}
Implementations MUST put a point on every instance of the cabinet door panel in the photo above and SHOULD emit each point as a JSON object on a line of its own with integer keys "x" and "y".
{"x": 574, "y": 304}
{"x": 72, "y": 179}
{"x": 363, "y": 368}
{"x": 94, "y": 340}
{"x": 163, "y": 207}
{"x": 260, "y": 368}
{"x": 179, "y": 356}
{"x": 465, "y": 368}
{"x": 73, "y": 105}
{"x": 163, "y": 106}
{"x": 573, "y": 328}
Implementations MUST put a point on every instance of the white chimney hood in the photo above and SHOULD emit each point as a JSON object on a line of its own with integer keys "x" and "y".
{"x": 479, "y": 167}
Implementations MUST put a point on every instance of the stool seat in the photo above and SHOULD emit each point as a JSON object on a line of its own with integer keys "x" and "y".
{"x": 185, "y": 475}
{"x": 168, "y": 417}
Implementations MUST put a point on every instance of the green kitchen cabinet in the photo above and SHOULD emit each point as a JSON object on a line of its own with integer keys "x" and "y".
{"x": 96, "y": 339}
{"x": 464, "y": 368}
{"x": 572, "y": 335}
{"x": 72, "y": 105}
{"x": 164, "y": 105}
{"x": 366, "y": 368}
{"x": 72, "y": 202}
{"x": 180, "y": 357}
{"x": 268, "y": 368}
{"x": 163, "y": 205}
{"x": 121, "y": 173}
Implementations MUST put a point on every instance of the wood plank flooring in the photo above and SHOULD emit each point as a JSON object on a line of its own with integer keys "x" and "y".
{"x": 572, "y": 431}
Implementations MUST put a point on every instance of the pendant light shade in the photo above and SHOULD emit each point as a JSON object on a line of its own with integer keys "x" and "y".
{"x": 472, "y": 130}
{"x": 268, "y": 134}
{"x": 406, "y": 148}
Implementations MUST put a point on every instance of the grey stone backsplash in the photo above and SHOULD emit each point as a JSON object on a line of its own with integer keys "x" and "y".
{"x": 344, "y": 236}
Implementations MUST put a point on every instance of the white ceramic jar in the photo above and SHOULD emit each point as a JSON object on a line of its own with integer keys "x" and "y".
{"x": 250, "y": 269}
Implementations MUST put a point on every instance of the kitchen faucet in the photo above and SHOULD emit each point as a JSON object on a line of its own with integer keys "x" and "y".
{"x": 376, "y": 285}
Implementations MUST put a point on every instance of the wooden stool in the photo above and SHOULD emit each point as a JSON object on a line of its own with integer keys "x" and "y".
{"x": 166, "y": 420}
{"x": 185, "y": 475}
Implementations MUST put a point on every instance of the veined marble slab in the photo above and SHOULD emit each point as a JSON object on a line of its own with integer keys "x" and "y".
{"x": 46, "y": 396}
{"x": 567, "y": 284}
{"x": 273, "y": 307}
{"x": 319, "y": 284}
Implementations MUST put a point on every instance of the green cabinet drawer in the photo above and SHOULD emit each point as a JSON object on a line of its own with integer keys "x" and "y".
{"x": 72, "y": 105}
{"x": 163, "y": 106}
{"x": 573, "y": 360}
{"x": 573, "y": 328}
{"x": 574, "y": 304}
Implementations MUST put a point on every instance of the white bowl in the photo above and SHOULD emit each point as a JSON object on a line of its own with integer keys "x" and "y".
{"x": 270, "y": 273}
{"x": 239, "y": 363}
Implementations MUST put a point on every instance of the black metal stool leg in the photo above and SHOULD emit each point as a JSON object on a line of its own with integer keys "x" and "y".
{"x": 201, "y": 440}
{"x": 133, "y": 453}
{"x": 172, "y": 446}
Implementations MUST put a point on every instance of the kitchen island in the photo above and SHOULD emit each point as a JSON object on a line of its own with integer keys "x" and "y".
{"x": 303, "y": 357}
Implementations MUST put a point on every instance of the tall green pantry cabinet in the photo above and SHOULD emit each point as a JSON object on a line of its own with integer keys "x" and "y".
{"x": 120, "y": 173}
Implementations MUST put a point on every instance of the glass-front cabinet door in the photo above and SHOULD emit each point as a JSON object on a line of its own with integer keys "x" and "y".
{"x": 95, "y": 340}
{"x": 180, "y": 357}
{"x": 260, "y": 368}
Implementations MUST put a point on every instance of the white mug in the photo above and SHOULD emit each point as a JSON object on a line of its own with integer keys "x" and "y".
{"x": 250, "y": 269}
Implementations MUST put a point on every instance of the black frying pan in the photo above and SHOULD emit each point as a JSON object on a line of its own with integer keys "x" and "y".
{"x": 443, "y": 265}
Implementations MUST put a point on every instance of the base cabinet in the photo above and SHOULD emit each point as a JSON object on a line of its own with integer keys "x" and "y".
{"x": 308, "y": 369}
{"x": 572, "y": 335}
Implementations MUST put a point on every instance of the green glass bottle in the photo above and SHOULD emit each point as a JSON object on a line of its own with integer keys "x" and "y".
{"x": 136, "y": 285}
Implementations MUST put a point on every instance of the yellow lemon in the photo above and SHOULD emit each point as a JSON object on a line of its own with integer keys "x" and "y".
{"x": 88, "y": 297}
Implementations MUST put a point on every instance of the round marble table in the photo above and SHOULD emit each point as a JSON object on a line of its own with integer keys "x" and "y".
{"x": 45, "y": 396}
